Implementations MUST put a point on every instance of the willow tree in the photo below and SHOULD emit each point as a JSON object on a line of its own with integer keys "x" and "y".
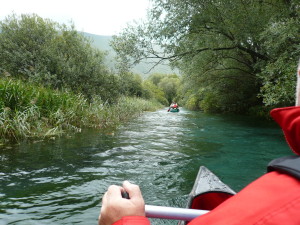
{"x": 216, "y": 44}
{"x": 282, "y": 41}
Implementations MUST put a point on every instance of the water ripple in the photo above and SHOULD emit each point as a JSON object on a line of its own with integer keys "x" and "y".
{"x": 62, "y": 181}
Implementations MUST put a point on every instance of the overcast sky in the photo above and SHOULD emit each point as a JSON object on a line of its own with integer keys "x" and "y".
{"x": 102, "y": 17}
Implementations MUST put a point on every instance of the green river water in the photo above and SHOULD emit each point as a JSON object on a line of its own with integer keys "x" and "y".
{"x": 61, "y": 181}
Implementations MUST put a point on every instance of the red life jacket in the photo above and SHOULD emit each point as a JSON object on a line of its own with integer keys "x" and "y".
{"x": 273, "y": 199}
{"x": 288, "y": 119}
{"x": 133, "y": 220}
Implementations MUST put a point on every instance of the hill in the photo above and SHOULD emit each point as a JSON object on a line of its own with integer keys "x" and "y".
{"x": 144, "y": 69}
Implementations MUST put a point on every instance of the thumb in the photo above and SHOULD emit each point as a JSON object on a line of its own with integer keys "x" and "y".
{"x": 134, "y": 192}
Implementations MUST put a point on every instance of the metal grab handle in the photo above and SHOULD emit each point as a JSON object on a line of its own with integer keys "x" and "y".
{"x": 172, "y": 213}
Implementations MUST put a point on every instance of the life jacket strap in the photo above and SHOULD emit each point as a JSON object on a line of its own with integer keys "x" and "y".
{"x": 289, "y": 165}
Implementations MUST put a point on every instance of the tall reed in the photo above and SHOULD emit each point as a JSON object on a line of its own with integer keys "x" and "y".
{"x": 31, "y": 111}
{"x": 105, "y": 115}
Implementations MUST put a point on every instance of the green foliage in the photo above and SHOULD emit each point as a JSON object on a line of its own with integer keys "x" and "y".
{"x": 62, "y": 82}
{"x": 281, "y": 40}
{"x": 155, "y": 78}
{"x": 170, "y": 84}
{"x": 161, "y": 87}
{"x": 152, "y": 91}
{"x": 44, "y": 52}
{"x": 130, "y": 84}
{"x": 227, "y": 51}
{"x": 279, "y": 82}
{"x": 192, "y": 102}
{"x": 128, "y": 107}
{"x": 22, "y": 42}
{"x": 211, "y": 103}
{"x": 28, "y": 110}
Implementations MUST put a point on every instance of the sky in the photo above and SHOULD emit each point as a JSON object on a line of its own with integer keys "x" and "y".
{"x": 101, "y": 17}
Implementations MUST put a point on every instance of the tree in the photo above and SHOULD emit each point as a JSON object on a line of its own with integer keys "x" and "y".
{"x": 155, "y": 78}
{"x": 170, "y": 84}
{"x": 22, "y": 43}
{"x": 42, "y": 51}
{"x": 131, "y": 84}
{"x": 281, "y": 39}
{"x": 163, "y": 87}
{"x": 217, "y": 45}
{"x": 185, "y": 29}
{"x": 150, "y": 90}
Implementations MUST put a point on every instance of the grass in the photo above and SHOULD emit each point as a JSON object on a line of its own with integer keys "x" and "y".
{"x": 31, "y": 111}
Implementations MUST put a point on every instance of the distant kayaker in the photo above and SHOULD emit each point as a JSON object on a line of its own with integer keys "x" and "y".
{"x": 173, "y": 105}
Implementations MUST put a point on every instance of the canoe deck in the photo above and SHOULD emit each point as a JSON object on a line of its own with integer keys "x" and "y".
{"x": 208, "y": 191}
{"x": 174, "y": 110}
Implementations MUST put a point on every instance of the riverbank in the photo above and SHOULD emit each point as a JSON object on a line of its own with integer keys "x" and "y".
{"x": 31, "y": 111}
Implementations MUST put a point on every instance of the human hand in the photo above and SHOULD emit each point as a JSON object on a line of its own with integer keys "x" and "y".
{"x": 114, "y": 207}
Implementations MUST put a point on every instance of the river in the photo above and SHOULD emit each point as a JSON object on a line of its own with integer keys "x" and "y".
{"x": 61, "y": 181}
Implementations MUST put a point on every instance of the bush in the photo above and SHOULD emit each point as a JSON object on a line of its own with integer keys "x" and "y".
{"x": 45, "y": 52}
{"x": 152, "y": 91}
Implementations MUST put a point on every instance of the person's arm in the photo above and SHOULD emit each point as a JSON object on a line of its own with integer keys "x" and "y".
{"x": 115, "y": 208}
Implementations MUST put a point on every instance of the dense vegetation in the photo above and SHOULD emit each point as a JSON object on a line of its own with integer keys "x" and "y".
{"x": 44, "y": 52}
{"x": 162, "y": 87}
{"x": 28, "y": 110}
{"x": 235, "y": 55}
{"x": 53, "y": 80}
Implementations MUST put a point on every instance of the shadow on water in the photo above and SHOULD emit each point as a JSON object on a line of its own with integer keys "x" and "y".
{"x": 61, "y": 181}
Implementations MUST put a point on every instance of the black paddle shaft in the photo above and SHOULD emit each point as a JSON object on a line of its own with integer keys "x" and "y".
{"x": 125, "y": 195}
